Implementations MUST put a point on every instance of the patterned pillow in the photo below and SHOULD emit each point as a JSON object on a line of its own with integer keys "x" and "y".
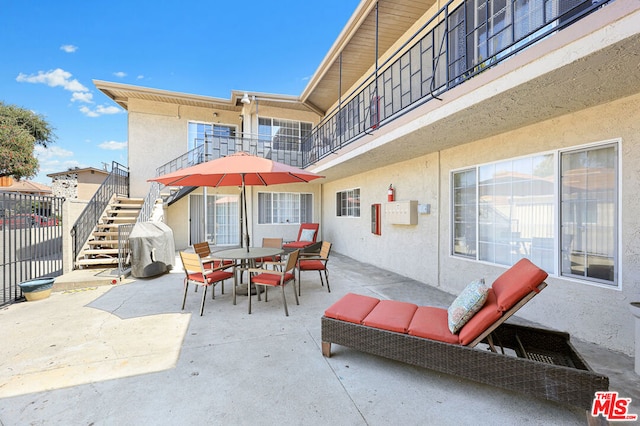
{"x": 307, "y": 234}
{"x": 467, "y": 304}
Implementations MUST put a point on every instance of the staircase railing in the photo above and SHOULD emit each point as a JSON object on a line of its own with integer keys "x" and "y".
{"x": 117, "y": 183}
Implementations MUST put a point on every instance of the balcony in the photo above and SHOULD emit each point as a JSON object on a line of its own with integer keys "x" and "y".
{"x": 447, "y": 52}
{"x": 284, "y": 149}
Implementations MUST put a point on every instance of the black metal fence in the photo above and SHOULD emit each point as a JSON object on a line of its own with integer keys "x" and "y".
{"x": 458, "y": 42}
{"x": 31, "y": 233}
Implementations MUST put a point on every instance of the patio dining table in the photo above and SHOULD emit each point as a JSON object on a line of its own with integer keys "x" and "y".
{"x": 244, "y": 256}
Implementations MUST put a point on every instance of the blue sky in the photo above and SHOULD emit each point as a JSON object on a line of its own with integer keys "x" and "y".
{"x": 53, "y": 50}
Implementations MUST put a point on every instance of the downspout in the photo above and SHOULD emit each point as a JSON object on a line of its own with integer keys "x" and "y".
{"x": 439, "y": 227}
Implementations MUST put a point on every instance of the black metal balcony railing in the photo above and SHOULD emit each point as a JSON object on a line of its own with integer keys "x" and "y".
{"x": 284, "y": 150}
{"x": 454, "y": 45}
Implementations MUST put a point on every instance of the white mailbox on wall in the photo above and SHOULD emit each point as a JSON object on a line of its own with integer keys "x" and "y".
{"x": 402, "y": 212}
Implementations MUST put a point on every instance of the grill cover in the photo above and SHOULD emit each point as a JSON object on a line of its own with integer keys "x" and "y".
{"x": 152, "y": 249}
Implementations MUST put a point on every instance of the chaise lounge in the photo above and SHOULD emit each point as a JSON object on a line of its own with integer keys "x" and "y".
{"x": 529, "y": 360}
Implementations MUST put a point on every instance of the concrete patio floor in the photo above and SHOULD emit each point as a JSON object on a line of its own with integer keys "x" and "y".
{"x": 126, "y": 354}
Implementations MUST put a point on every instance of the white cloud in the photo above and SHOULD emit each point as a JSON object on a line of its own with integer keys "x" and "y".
{"x": 54, "y": 78}
{"x": 100, "y": 110}
{"x": 120, "y": 74}
{"x": 82, "y": 97}
{"x": 69, "y": 48}
{"x": 113, "y": 145}
{"x": 140, "y": 77}
{"x": 53, "y": 159}
{"x": 43, "y": 153}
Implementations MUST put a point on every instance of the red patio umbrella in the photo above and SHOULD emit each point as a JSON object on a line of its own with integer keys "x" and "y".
{"x": 239, "y": 169}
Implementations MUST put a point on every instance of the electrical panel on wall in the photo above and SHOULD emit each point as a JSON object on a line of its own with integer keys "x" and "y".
{"x": 402, "y": 212}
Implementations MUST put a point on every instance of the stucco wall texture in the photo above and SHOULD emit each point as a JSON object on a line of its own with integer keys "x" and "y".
{"x": 595, "y": 313}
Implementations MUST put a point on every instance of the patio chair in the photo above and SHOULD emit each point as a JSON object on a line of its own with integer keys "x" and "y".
{"x": 537, "y": 362}
{"x": 307, "y": 235}
{"x": 204, "y": 251}
{"x": 315, "y": 262}
{"x": 276, "y": 278}
{"x": 272, "y": 243}
{"x": 196, "y": 273}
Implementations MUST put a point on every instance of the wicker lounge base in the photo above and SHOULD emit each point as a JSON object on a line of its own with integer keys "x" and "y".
{"x": 543, "y": 363}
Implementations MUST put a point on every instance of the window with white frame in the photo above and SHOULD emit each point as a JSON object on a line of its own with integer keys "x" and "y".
{"x": 505, "y": 211}
{"x": 284, "y": 207}
{"x": 348, "y": 203}
{"x": 200, "y": 132}
{"x": 283, "y": 134}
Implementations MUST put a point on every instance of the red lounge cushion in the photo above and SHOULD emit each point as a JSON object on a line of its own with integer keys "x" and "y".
{"x": 271, "y": 279}
{"x": 432, "y": 323}
{"x": 352, "y": 308}
{"x": 391, "y": 315}
{"x": 516, "y": 282}
{"x": 311, "y": 265}
{"x": 483, "y": 319}
{"x": 297, "y": 244}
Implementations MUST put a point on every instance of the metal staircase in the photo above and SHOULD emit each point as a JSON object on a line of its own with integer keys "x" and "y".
{"x": 104, "y": 245}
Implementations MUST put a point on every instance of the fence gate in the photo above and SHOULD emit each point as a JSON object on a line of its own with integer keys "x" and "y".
{"x": 31, "y": 240}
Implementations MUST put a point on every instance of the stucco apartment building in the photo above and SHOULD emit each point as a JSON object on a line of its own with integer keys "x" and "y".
{"x": 507, "y": 129}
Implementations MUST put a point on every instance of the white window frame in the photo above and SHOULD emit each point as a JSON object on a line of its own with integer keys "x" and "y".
{"x": 193, "y": 143}
{"x": 349, "y": 209}
{"x": 295, "y": 197}
{"x": 271, "y": 137}
{"x": 473, "y": 253}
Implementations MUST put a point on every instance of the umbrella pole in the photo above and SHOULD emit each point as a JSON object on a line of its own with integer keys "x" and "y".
{"x": 246, "y": 219}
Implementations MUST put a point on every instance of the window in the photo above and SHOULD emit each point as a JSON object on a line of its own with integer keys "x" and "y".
{"x": 284, "y": 207}
{"x": 201, "y": 132}
{"x": 589, "y": 209}
{"x": 502, "y": 212}
{"x": 348, "y": 203}
{"x": 283, "y": 134}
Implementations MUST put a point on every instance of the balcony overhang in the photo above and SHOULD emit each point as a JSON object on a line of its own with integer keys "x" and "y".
{"x": 122, "y": 93}
{"x": 587, "y": 64}
{"x": 353, "y": 53}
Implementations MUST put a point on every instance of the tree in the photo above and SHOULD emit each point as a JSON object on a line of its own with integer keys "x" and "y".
{"x": 20, "y": 131}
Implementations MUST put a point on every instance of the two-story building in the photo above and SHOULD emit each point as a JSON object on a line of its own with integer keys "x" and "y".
{"x": 507, "y": 128}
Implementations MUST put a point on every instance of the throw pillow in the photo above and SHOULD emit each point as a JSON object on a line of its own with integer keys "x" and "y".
{"x": 467, "y": 304}
{"x": 307, "y": 234}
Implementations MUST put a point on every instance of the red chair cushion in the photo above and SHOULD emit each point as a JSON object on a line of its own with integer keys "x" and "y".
{"x": 216, "y": 276}
{"x": 297, "y": 244}
{"x": 391, "y": 315}
{"x": 196, "y": 276}
{"x": 351, "y": 308}
{"x": 271, "y": 279}
{"x": 432, "y": 323}
{"x": 483, "y": 319}
{"x": 276, "y": 258}
{"x": 216, "y": 263}
{"x": 516, "y": 282}
{"x": 311, "y": 265}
